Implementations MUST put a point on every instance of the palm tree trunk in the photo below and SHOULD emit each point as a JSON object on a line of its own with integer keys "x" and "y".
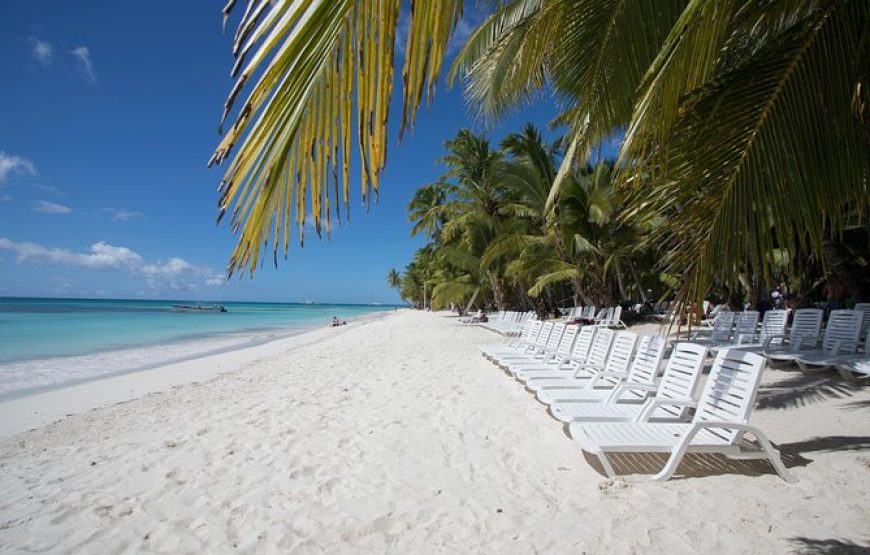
{"x": 620, "y": 285}
{"x": 644, "y": 299}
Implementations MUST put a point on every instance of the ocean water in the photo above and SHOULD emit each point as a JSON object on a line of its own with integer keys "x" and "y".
{"x": 50, "y": 343}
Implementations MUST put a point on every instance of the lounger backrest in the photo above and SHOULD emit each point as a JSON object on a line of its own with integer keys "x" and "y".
{"x": 773, "y": 324}
{"x": 555, "y": 337}
{"x": 615, "y": 315}
{"x": 583, "y": 343}
{"x": 805, "y": 327}
{"x": 745, "y": 323}
{"x": 535, "y": 331}
{"x": 843, "y": 331}
{"x": 680, "y": 378}
{"x": 729, "y": 395}
{"x": 621, "y": 352}
{"x": 567, "y": 341}
{"x": 645, "y": 366}
{"x": 722, "y": 326}
{"x": 546, "y": 330}
{"x": 865, "y": 309}
{"x": 589, "y": 311}
{"x": 600, "y": 347}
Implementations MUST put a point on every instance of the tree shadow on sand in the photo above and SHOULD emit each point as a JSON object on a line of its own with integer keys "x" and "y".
{"x": 811, "y": 546}
{"x": 697, "y": 465}
{"x": 805, "y": 389}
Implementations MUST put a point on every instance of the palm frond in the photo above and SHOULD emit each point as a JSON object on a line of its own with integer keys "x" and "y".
{"x": 559, "y": 276}
{"x": 295, "y": 126}
{"x": 768, "y": 154}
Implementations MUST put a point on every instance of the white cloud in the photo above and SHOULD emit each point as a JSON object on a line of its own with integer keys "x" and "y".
{"x": 51, "y": 208}
{"x": 43, "y": 52}
{"x": 101, "y": 256}
{"x": 82, "y": 54}
{"x": 176, "y": 273}
{"x": 121, "y": 215}
{"x": 14, "y": 165}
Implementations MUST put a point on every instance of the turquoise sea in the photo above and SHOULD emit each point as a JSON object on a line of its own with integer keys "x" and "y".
{"x": 48, "y": 343}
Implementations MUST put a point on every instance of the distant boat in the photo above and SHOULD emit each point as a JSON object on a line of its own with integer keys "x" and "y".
{"x": 198, "y": 308}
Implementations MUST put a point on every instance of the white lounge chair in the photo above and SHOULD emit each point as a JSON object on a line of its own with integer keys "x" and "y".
{"x": 548, "y": 341}
{"x": 579, "y": 353}
{"x": 805, "y": 330}
{"x": 719, "y": 425}
{"x": 613, "y": 371}
{"x": 558, "y": 347}
{"x": 643, "y": 373}
{"x": 841, "y": 338}
{"x": 772, "y": 332}
{"x": 720, "y": 332}
{"x": 597, "y": 356}
{"x": 673, "y": 398}
{"x": 526, "y": 340}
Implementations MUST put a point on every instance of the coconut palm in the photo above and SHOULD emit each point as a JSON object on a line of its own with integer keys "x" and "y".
{"x": 427, "y": 209}
{"x": 747, "y": 122}
{"x": 394, "y": 280}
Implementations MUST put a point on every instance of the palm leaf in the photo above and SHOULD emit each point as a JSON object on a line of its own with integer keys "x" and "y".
{"x": 295, "y": 126}
{"x": 769, "y": 154}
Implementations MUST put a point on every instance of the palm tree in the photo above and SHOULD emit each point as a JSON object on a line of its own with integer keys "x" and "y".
{"x": 747, "y": 122}
{"x": 427, "y": 209}
{"x": 394, "y": 280}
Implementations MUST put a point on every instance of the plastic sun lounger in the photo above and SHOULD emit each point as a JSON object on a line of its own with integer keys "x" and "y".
{"x": 596, "y": 357}
{"x": 610, "y": 363}
{"x": 552, "y": 355}
{"x": 719, "y": 426}
{"x": 672, "y": 400}
{"x": 841, "y": 338}
{"x": 642, "y": 373}
{"x": 578, "y": 354}
{"x": 805, "y": 330}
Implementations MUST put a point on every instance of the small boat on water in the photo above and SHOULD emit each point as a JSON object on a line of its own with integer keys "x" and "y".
{"x": 198, "y": 308}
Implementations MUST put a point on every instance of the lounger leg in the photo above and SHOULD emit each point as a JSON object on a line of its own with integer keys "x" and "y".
{"x": 773, "y": 457}
{"x": 605, "y": 462}
{"x": 846, "y": 374}
{"x": 677, "y": 456}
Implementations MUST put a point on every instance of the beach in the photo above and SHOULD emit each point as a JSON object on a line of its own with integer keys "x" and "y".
{"x": 396, "y": 435}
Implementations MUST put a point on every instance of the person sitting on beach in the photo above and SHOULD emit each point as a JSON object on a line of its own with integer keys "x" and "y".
{"x": 479, "y": 316}
{"x": 335, "y": 321}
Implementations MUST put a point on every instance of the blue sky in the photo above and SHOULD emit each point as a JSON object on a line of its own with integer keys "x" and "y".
{"x": 110, "y": 114}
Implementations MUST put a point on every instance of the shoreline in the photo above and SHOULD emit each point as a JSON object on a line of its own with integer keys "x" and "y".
{"x": 28, "y": 409}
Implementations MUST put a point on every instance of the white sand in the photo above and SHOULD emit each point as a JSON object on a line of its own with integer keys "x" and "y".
{"x": 398, "y": 436}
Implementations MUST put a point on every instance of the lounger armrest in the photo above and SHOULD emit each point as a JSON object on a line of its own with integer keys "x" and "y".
{"x": 618, "y": 391}
{"x": 598, "y": 376}
{"x": 653, "y": 404}
{"x": 743, "y": 338}
{"x": 769, "y": 339}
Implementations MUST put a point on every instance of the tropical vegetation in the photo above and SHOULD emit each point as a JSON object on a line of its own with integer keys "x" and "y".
{"x": 745, "y": 151}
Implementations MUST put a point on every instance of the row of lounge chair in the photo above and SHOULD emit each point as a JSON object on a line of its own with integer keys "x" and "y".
{"x": 806, "y": 345}
{"x": 511, "y": 323}
{"x": 605, "y": 386}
